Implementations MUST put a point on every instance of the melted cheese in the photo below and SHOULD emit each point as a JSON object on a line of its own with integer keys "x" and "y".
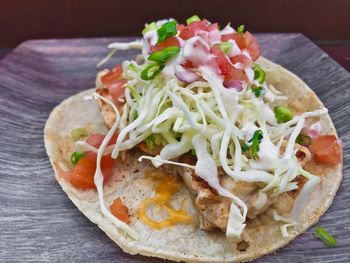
{"x": 167, "y": 186}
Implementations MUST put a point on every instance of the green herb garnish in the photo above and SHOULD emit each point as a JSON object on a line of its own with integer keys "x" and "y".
{"x": 327, "y": 238}
{"x": 149, "y": 27}
{"x": 259, "y": 73}
{"x": 151, "y": 71}
{"x": 225, "y": 46}
{"x": 240, "y": 29}
{"x": 303, "y": 139}
{"x": 150, "y": 142}
{"x": 257, "y": 137}
{"x": 77, "y": 133}
{"x": 244, "y": 147}
{"x": 136, "y": 115}
{"x": 165, "y": 54}
{"x": 282, "y": 114}
{"x": 134, "y": 92}
{"x": 258, "y": 91}
{"x": 192, "y": 19}
{"x": 75, "y": 157}
{"x": 167, "y": 30}
{"x": 193, "y": 152}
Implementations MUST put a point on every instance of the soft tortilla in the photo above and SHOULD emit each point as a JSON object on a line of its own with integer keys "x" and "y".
{"x": 183, "y": 242}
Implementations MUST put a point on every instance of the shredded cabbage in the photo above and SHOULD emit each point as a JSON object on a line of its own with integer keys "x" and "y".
{"x": 212, "y": 120}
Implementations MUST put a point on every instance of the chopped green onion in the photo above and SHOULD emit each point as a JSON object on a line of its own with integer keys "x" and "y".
{"x": 259, "y": 73}
{"x": 258, "y": 135}
{"x": 164, "y": 54}
{"x": 193, "y": 152}
{"x": 77, "y": 133}
{"x": 150, "y": 142}
{"x": 283, "y": 114}
{"x": 149, "y": 27}
{"x": 134, "y": 92}
{"x": 225, "y": 46}
{"x": 157, "y": 139}
{"x": 151, "y": 72}
{"x": 327, "y": 238}
{"x": 244, "y": 147}
{"x": 240, "y": 29}
{"x": 258, "y": 91}
{"x": 303, "y": 139}
{"x": 135, "y": 115}
{"x": 192, "y": 19}
{"x": 75, "y": 157}
{"x": 167, "y": 30}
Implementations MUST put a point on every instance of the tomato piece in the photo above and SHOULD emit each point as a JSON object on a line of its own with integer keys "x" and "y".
{"x": 188, "y": 64}
{"x": 112, "y": 76}
{"x": 186, "y": 33}
{"x": 244, "y": 41}
{"x": 107, "y": 165}
{"x": 194, "y": 27}
{"x": 213, "y": 27}
{"x": 199, "y": 25}
{"x": 226, "y": 68}
{"x": 238, "y": 37}
{"x": 116, "y": 89}
{"x": 96, "y": 140}
{"x": 222, "y": 60}
{"x": 326, "y": 149}
{"x": 180, "y": 27}
{"x": 171, "y": 41}
{"x": 252, "y": 46}
{"x": 119, "y": 210}
{"x": 241, "y": 59}
{"x": 235, "y": 74}
{"x": 83, "y": 173}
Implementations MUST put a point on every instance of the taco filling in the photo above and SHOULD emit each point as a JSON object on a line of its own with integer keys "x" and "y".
{"x": 196, "y": 103}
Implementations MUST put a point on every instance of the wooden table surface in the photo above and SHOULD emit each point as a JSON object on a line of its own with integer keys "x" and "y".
{"x": 38, "y": 223}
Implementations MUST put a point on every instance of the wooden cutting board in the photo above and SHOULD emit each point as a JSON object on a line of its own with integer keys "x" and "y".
{"x": 38, "y": 223}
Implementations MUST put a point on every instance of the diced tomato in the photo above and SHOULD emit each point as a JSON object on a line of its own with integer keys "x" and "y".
{"x": 241, "y": 59}
{"x": 119, "y": 210}
{"x": 326, "y": 149}
{"x": 238, "y": 37}
{"x": 112, "y": 76}
{"x": 96, "y": 140}
{"x": 244, "y": 41}
{"x": 213, "y": 27}
{"x": 83, "y": 173}
{"x": 186, "y": 33}
{"x": 171, "y": 41}
{"x": 226, "y": 68}
{"x": 191, "y": 29}
{"x": 116, "y": 89}
{"x": 199, "y": 25}
{"x": 188, "y": 64}
{"x": 222, "y": 60}
{"x": 180, "y": 27}
{"x": 236, "y": 74}
{"x": 252, "y": 46}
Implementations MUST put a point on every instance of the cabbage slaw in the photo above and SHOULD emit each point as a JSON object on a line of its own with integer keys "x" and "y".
{"x": 211, "y": 119}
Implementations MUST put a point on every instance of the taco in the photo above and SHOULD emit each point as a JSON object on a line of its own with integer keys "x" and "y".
{"x": 199, "y": 150}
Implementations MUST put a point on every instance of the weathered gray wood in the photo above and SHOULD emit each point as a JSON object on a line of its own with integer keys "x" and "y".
{"x": 38, "y": 223}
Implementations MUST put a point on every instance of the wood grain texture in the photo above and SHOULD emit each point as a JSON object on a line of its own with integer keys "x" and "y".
{"x": 38, "y": 223}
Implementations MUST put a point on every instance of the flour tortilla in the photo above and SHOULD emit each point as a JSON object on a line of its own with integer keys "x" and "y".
{"x": 182, "y": 242}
